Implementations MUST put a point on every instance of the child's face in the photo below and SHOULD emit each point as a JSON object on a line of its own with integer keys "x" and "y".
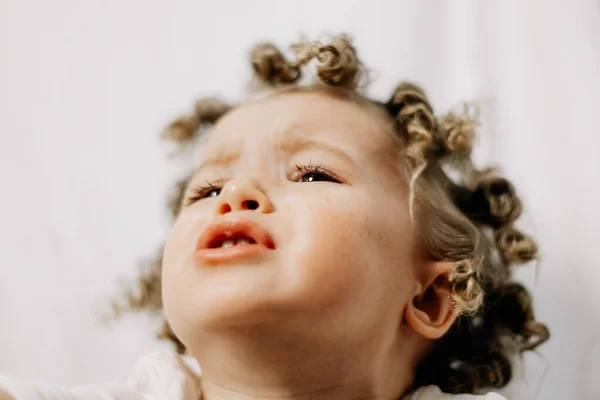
{"x": 344, "y": 254}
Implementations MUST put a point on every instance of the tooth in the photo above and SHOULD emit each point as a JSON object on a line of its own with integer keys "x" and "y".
{"x": 243, "y": 241}
{"x": 228, "y": 243}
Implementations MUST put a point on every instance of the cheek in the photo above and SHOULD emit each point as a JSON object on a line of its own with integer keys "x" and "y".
{"x": 346, "y": 250}
{"x": 177, "y": 282}
{"x": 182, "y": 238}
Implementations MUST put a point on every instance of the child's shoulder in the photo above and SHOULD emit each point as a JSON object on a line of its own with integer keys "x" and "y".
{"x": 434, "y": 393}
{"x": 173, "y": 368}
{"x": 157, "y": 375}
{"x": 162, "y": 375}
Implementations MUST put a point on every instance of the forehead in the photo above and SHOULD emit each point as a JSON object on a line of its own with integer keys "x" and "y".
{"x": 358, "y": 129}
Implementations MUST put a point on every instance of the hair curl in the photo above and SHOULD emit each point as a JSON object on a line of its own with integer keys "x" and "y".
{"x": 496, "y": 313}
{"x": 338, "y": 66}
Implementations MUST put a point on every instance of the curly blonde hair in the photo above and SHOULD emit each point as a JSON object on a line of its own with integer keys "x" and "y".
{"x": 469, "y": 220}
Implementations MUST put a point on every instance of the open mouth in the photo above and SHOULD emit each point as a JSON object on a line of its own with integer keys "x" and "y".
{"x": 227, "y": 241}
{"x": 232, "y": 239}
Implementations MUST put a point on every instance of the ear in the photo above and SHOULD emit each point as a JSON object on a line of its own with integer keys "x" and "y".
{"x": 431, "y": 312}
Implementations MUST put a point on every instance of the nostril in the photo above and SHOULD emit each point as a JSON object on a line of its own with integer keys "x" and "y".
{"x": 250, "y": 205}
{"x": 225, "y": 208}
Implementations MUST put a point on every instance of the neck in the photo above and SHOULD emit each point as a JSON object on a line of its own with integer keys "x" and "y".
{"x": 244, "y": 365}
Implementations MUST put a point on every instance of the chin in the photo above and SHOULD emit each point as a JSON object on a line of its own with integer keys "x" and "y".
{"x": 217, "y": 310}
{"x": 225, "y": 309}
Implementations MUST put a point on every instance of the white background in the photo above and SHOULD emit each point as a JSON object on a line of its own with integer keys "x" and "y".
{"x": 86, "y": 87}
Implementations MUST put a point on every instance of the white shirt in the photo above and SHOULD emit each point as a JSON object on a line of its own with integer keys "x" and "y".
{"x": 161, "y": 376}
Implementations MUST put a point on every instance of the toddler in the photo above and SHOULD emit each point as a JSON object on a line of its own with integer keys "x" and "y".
{"x": 331, "y": 246}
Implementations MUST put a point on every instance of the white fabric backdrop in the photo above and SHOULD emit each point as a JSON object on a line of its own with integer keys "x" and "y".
{"x": 85, "y": 88}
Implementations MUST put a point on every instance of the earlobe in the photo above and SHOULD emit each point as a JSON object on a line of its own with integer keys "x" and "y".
{"x": 431, "y": 312}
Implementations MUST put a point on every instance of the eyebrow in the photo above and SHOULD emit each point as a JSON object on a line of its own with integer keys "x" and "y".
{"x": 291, "y": 143}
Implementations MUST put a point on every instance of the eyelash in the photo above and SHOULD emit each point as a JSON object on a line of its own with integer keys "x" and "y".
{"x": 199, "y": 192}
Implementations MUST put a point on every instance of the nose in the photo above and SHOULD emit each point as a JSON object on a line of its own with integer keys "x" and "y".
{"x": 242, "y": 195}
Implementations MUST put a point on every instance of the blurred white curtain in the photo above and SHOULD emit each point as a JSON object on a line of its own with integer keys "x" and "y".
{"x": 85, "y": 88}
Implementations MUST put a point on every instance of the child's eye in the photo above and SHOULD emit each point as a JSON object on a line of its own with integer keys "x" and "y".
{"x": 210, "y": 189}
{"x": 314, "y": 173}
{"x": 313, "y": 177}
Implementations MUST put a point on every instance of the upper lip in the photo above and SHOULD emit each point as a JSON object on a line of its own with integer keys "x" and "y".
{"x": 222, "y": 229}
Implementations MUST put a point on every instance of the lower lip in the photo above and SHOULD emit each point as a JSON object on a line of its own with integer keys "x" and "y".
{"x": 238, "y": 252}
